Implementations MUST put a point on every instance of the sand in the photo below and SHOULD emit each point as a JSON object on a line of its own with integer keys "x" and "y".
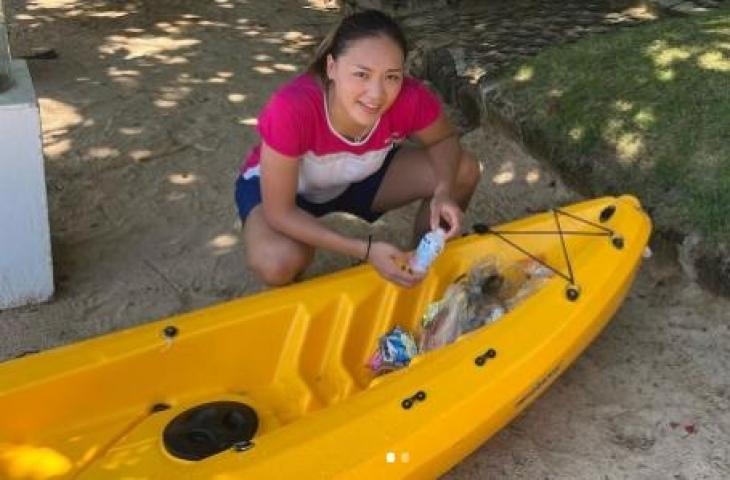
{"x": 146, "y": 115}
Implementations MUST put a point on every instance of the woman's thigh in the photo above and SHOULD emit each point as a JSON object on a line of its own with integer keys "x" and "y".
{"x": 410, "y": 177}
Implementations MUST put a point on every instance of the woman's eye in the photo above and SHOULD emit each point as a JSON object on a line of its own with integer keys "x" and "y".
{"x": 361, "y": 74}
{"x": 394, "y": 78}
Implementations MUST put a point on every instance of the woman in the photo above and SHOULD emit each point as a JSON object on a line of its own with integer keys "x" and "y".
{"x": 330, "y": 142}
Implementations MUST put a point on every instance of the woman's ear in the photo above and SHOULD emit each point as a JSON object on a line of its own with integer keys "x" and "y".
{"x": 330, "y": 67}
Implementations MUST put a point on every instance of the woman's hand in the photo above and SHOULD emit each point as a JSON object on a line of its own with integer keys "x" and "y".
{"x": 444, "y": 208}
{"x": 392, "y": 264}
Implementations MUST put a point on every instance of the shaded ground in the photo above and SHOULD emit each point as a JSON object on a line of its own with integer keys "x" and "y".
{"x": 147, "y": 113}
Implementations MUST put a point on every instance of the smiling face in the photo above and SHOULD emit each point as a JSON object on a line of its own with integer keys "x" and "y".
{"x": 365, "y": 81}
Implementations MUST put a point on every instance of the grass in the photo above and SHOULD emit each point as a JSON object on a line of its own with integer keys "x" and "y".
{"x": 643, "y": 110}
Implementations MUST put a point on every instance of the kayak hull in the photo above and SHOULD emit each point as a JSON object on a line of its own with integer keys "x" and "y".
{"x": 297, "y": 356}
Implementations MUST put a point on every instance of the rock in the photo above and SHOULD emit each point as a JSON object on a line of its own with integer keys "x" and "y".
{"x": 706, "y": 262}
{"x": 687, "y": 251}
{"x": 713, "y": 269}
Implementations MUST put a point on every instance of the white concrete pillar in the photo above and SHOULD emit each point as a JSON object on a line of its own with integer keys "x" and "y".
{"x": 26, "y": 269}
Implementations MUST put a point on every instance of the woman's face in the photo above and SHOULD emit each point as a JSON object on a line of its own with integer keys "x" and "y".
{"x": 366, "y": 77}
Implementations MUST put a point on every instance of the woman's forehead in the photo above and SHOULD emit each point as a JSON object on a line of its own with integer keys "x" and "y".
{"x": 374, "y": 52}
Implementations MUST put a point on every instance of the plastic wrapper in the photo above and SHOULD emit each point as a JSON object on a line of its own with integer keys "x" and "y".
{"x": 395, "y": 350}
{"x": 442, "y": 321}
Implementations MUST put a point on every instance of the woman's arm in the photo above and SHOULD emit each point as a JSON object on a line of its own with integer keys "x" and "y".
{"x": 441, "y": 142}
{"x": 279, "y": 177}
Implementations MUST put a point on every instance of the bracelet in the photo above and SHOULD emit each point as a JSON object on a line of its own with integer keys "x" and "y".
{"x": 367, "y": 251}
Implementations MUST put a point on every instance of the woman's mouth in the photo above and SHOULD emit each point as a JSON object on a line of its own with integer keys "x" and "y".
{"x": 369, "y": 108}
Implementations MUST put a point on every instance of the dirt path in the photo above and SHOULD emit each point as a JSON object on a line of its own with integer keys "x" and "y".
{"x": 146, "y": 114}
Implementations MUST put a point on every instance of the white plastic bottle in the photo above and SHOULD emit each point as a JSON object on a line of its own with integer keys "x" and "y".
{"x": 428, "y": 249}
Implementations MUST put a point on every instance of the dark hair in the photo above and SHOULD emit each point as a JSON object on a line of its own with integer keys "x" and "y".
{"x": 365, "y": 24}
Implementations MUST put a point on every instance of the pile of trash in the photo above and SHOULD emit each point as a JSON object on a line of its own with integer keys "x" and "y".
{"x": 478, "y": 298}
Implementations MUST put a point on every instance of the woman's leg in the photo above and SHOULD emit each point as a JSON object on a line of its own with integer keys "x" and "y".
{"x": 411, "y": 177}
{"x": 275, "y": 258}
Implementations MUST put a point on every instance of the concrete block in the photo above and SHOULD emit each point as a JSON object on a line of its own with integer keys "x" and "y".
{"x": 26, "y": 269}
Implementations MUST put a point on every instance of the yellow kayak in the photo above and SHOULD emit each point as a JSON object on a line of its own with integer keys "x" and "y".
{"x": 277, "y": 384}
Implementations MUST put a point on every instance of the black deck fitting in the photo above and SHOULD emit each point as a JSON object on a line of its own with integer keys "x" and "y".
{"x": 607, "y": 213}
{"x": 170, "y": 331}
{"x": 482, "y": 359}
{"x": 618, "y": 242}
{"x": 409, "y": 402}
{"x": 572, "y": 293}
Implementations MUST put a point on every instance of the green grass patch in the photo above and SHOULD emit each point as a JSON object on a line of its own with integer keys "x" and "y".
{"x": 644, "y": 110}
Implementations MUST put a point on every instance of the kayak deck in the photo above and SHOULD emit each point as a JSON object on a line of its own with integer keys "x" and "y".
{"x": 298, "y": 355}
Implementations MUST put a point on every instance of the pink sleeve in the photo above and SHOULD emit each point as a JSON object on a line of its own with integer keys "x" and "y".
{"x": 421, "y": 107}
{"x": 280, "y": 125}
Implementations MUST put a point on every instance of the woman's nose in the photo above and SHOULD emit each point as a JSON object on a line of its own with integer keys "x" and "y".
{"x": 376, "y": 90}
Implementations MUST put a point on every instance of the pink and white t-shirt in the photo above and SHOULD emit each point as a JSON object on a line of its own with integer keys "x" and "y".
{"x": 295, "y": 123}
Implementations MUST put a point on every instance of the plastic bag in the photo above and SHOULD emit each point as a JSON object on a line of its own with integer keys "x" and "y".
{"x": 491, "y": 278}
{"x": 494, "y": 288}
{"x": 483, "y": 283}
{"x": 533, "y": 276}
{"x": 443, "y": 319}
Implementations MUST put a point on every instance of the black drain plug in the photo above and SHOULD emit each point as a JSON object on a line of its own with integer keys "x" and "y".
{"x": 210, "y": 428}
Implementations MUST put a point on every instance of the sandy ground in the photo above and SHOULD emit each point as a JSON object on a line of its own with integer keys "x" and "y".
{"x": 146, "y": 114}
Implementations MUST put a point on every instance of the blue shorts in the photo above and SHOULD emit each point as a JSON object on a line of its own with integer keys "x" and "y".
{"x": 357, "y": 199}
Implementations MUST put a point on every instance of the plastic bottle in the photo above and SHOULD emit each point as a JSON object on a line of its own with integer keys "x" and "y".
{"x": 428, "y": 249}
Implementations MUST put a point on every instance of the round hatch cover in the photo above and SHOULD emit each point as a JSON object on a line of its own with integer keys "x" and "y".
{"x": 209, "y": 428}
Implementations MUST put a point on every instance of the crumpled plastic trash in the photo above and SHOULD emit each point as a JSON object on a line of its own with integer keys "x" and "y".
{"x": 533, "y": 276}
{"x": 395, "y": 350}
{"x": 443, "y": 319}
{"x": 483, "y": 314}
{"x": 491, "y": 289}
{"x": 484, "y": 283}
{"x": 480, "y": 297}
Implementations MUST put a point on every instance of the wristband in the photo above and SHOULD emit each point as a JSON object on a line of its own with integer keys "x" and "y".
{"x": 367, "y": 251}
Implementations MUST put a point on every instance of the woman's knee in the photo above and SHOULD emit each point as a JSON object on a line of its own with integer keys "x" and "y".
{"x": 278, "y": 268}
